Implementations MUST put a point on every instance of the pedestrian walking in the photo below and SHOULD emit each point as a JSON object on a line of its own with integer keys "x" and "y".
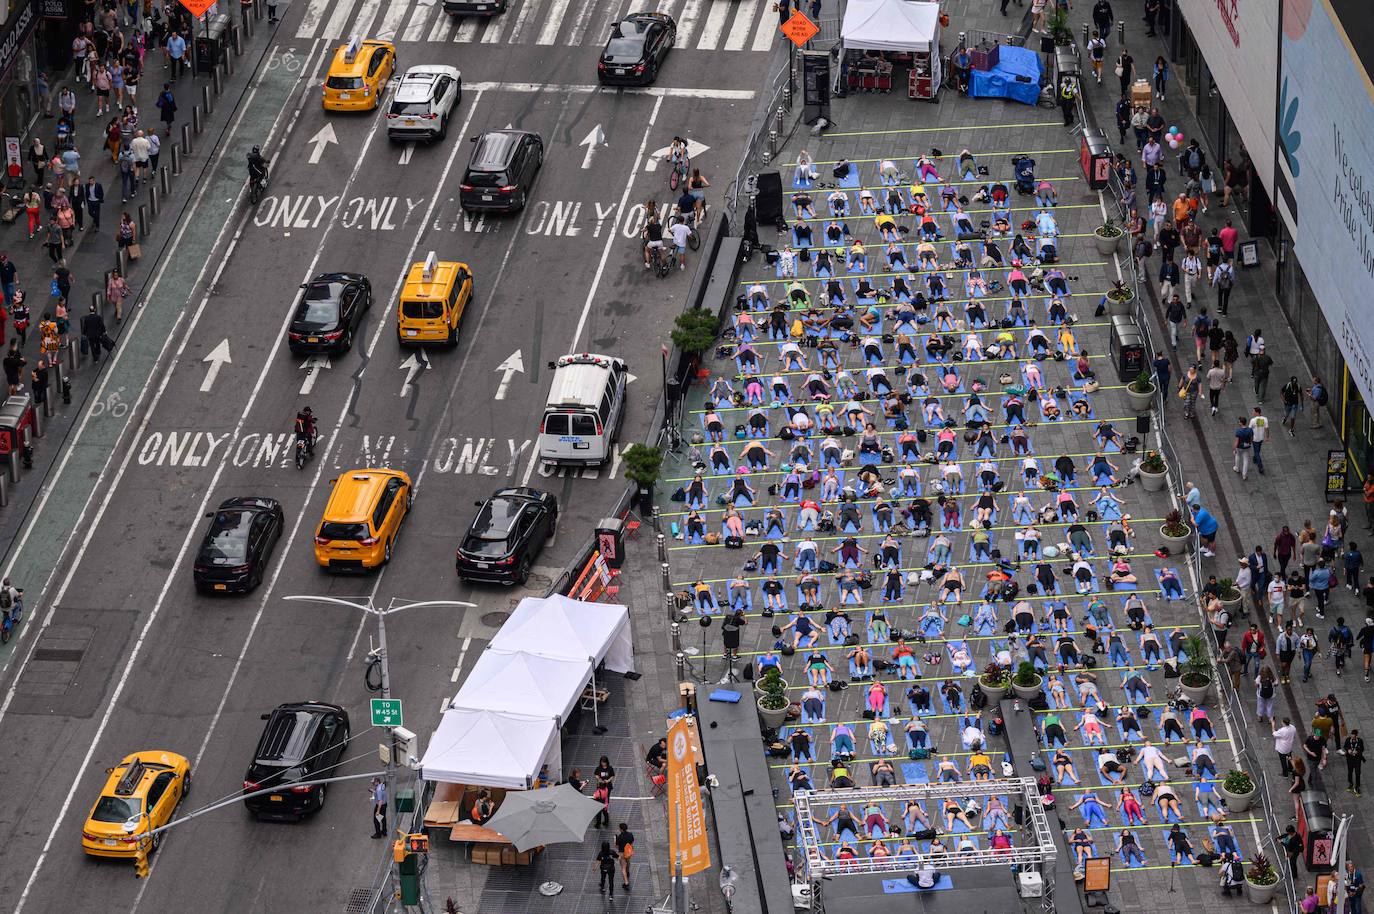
{"x": 1354, "y": 881}
{"x": 1123, "y": 117}
{"x": 54, "y": 241}
{"x": 44, "y": 93}
{"x": 1318, "y": 395}
{"x": 175, "y": 48}
{"x": 1174, "y": 313}
{"x": 1265, "y": 688}
{"x": 66, "y": 220}
{"x": 1351, "y": 563}
{"x": 94, "y": 335}
{"x": 1161, "y": 75}
{"x": 102, "y": 80}
{"x": 1319, "y": 583}
{"x": 167, "y": 104}
{"x": 1216, "y": 382}
{"x": 125, "y": 235}
{"x": 1252, "y": 647}
{"x": 625, "y": 847}
{"x": 1103, "y": 19}
{"x": 140, "y": 148}
{"x": 1285, "y": 644}
{"x": 14, "y": 363}
{"x": 1260, "y": 364}
{"x": 1151, "y": 17}
{"x": 377, "y": 794}
{"x": 1353, "y": 750}
{"x": 117, "y": 292}
{"x": 128, "y": 176}
{"x": 272, "y": 12}
{"x": 605, "y": 861}
{"x": 1285, "y": 543}
{"x": 1188, "y": 389}
{"x": 1168, "y": 279}
{"x": 9, "y": 276}
{"x": 604, "y": 774}
{"x": 113, "y": 139}
{"x": 1291, "y": 395}
{"x": 154, "y": 150}
{"x": 1125, "y": 72}
{"x": 66, "y": 104}
{"x": 38, "y": 158}
{"x": 1163, "y": 371}
{"x": 95, "y": 198}
{"x": 1202, "y": 326}
{"x": 1259, "y": 433}
{"x": 1223, "y": 280}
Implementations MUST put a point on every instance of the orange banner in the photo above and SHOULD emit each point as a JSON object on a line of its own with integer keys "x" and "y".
{"x": 686, "y": 818}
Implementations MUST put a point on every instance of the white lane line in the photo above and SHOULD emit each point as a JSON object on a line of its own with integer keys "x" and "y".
{"x": 415, "y": 29}
{"x": 443, "y": 27}
{"x": 123, "y": 466}
{"x": 391, "y": 22}
{"x": 366, "y": 13}
{"x": 611, "y": 239}
{"x": 334, "y": 28}
{"x": 311, "y": 21}
{"x": 738, "y": 35}
{"x": 656, "y": 91}
{"x": 766, "y": 32}
{"x": 467, "y": 31}
{"x": 715, "y": 23}
{"x": 687, "y": 22}
{"x": 552, "y": 28}
{"x": 462, "y": 654}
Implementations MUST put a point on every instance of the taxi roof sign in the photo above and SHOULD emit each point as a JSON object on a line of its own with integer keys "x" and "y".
{"x": 355, "y": 44}
{"x": 799, "y": 29}
{"x": 431, "y": 266}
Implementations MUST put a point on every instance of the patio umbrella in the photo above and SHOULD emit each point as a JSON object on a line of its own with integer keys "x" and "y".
{"x": 551, "y": 815}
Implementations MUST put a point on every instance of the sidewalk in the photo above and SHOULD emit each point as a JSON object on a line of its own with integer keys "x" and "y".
{"x": 1252, "y": 511}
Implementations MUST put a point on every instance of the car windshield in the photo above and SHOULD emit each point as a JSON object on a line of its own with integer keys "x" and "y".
{"x": 496, "y": 519}
{"x": 625, "y": 47}
{"x": 333, "y": 531}
{"x": 117, "y": 809}
{"x": 410, "y": 109}
{"x": 483, "y": 547}
{"x": 227, "y": 539}
{"x": 422, "y": 310}
{"x": 486, "y": 178}
{"x": 344, "y": 82}
{"x": 320, "y": 304}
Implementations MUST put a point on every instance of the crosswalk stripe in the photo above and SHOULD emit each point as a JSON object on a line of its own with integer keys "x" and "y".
{"x": 415, "y": 29}
{"x": 763, "y": 37}
{"x": 311, "y": 21}
{"x": 363, "y": 24}
{"x": 639, "y": 6}
{"x": 524, "y": 22}
{"x": 587, "y": 11}
{"x": 552, "y": 28}
{"x": 467, "y": 30}
{"x": 687, "y": 21}
{"x": 715, "y": 22}
{"x": 334, "y": 28}
{"x": 391, "y": 22}
{"x": 497, "y": 27}
{"x": 738, "y": 36}
{"x": 443, "y": 28}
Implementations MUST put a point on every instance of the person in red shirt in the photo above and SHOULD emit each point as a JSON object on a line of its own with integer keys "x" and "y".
{"x": 1228, "y": 239}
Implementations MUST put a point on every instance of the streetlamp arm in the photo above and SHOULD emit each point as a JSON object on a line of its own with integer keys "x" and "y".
{"x": 220, "y": 804}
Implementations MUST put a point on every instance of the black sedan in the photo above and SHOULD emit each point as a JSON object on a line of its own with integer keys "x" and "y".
{"x": 509, "y": 531}
{"x": 330, "y": 308}
{"x": 636, "y": 49}
{"x": 238, "y": 546}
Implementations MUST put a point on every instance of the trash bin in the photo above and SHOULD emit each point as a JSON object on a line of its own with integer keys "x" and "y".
{"x": 1127, "y": 348}
{"x": 1065, "y": 62}
{"x": 1095, "y": 157}
{"x": 16, "y": 414}
{"x": 610, "y": 541}
{"x": 212, "y": 43}
{"x": 1316, "y": 827}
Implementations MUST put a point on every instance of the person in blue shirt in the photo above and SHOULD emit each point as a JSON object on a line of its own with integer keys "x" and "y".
{"x": 1353, "y": 561}
{"x": 1206, "y": 526}
{"x": 1354, "y": 887}
{"x": 1319, "y": 582}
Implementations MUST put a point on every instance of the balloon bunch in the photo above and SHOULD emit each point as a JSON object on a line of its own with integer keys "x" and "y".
{"x": 1175, "y": 137}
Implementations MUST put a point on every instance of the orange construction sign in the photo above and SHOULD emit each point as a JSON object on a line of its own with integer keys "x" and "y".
{"x": 799, "y": 29}
{"x": 197, "y": 7}
{"x": 686, "y": 818}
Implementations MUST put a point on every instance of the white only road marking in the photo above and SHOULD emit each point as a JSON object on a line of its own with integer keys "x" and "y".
{"x": 99, "y": 397}
{"x": 715, "y": 23}
{"x": 416, "y": 27}
{"x": 109, "y": 492}
{"x": 552, "y": 28}
{"x": 311, "y": 20}
{"x": 391, "y": 22}
{"x": 611, "y": 238}
{"x": 217, "y": 359}
{"x": 744, "y": 19}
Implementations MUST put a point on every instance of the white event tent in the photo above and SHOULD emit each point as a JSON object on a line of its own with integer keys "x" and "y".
{"x": 890, "y": 25}
{"x": 491, "y": 749}
{"x": 562, "y": 627}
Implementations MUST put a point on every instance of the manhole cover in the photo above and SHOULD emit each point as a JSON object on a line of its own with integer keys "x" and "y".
{"x": 494, "y": 620}
{"x": 358, "y": 901}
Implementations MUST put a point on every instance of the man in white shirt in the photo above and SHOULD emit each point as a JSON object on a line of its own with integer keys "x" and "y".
{"x": 1283, "y": 744}
{"x": 679, "y": 230}
{"x": 1192, "y": 269}
{"x": 141, "y": 149}
{"x": 1260, "y": 426}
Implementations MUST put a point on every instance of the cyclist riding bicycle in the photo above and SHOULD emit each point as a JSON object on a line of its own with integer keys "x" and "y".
{"x": 653, "y": 239}
{"x": 305, "y": 430}
{"x": 687, "y": 207}
{"x": 257, "y": 165}
{"x": 11, "y": 601}
{"x": 696, "y": 189}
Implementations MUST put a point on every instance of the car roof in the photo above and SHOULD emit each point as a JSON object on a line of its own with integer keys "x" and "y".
{"x": 437, "y": 289}
{"x": 417, "y": 82}
{"x": 648, "y": 17}
{"x": 134, "y": 774}
{"x": 249, "y": 503}
{"x": 354, "y": 494}
{"x": 340, "y": 66}
{"x": 526, "y": 492}
{"x": 494, "y": 149}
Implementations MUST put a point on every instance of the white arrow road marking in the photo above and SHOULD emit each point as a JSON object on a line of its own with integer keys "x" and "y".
{"x": 311, "y": 367}
{"x": 413, "y": 366}
{"x": 596, "y": 137}
{"x": 694, "y": 149}
{"x": 407, "y": 151}
{"x": 508, "y": 368}
{"x": 217, "y": 357}
{"x": 319, "y": 141}
{"x": 631, "y": 378}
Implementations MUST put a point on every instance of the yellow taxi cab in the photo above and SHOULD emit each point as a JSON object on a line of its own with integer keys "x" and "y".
{"x": 358, "y": 75}
{"x": 362, "y": 519}
{"x": 433, "y": 299}
{"x": 140, "y": 794}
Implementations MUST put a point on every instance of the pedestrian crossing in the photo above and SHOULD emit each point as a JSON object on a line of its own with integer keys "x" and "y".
{"x": 705, "y": 25}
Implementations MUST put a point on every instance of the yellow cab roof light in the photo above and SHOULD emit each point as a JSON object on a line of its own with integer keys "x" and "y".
{"x": 431, "y": 267}
{"x": 355, "y": 44}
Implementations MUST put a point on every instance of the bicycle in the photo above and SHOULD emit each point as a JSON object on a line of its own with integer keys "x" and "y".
{"x": 661, "y": 260}
{"x": 690, "y": 220}
{"x": 678, "y": 173}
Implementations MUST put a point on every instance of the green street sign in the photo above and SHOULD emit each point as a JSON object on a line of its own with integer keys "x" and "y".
{"x": 386, "y": 712}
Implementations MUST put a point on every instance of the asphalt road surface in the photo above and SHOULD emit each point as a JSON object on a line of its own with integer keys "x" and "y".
{"x": 119, "y": 653}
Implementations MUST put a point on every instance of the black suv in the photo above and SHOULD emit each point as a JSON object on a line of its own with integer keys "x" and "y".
{"x": 508, "y": 532}
{"x": 302, "y": 741}
{"x": 502, "y": 171}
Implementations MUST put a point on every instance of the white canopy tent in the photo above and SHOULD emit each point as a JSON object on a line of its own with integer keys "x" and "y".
{"x": 491, "y": 749}
{"x": 891, "y": 25}
{"x": 569, "y": 629}
{"x": 525, "y": 683}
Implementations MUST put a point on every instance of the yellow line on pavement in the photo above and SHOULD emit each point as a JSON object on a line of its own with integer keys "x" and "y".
{"x": 945, "y": 129}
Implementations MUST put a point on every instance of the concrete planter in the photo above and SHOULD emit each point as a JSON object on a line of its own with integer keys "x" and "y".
{"x": 1121, "y": 307}
{"x": 772, "y": 719}
{"x": 994, "y": 693}
{"x": 1260, "y": 894}
{"x": 1233, "y": 607}
{"x": 1107, "y": 245}
{"x": 1176, "y": 544}
{"x": 1237, "y": 802}
{"x": 1196, "y": 694}
{"x": 1141, "y": 402}
{"x": 1153, "y": 482}
{"x": 1028, "y": 692}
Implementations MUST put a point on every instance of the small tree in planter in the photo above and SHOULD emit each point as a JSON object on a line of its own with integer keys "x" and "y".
{"x": 1107, "y": 237}
{"x": 1026, "y": 683}
{"x": 694, "y": 331}
{"x": 642, "y": 466}
{"x": 1154, "y": 472}
{"x": 1141, "y": 392}
{"x": 773, "y": 700}
{"x": 995, "y": 682}
{"x": 1057, "y": 25}
{"x": 1238, "y": 790}
{"x": 1175, "y": 532}
{"x": 1196, "y": 676}
{"x": 1261, "y": 880}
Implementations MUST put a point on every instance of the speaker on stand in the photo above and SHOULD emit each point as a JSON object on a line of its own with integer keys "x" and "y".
{"x": 768, "y": 204}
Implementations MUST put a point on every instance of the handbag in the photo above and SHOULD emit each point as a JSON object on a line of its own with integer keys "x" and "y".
{"x": 1120, "y": 70}
{"x": 135, "y": 251}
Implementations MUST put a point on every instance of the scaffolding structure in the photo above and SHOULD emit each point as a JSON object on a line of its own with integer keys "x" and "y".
{"x": 1036, "y": 849}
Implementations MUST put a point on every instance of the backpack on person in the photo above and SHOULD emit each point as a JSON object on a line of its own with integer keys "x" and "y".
{"x": 1319, "y": 394}
{"x": 1266, "y": 689}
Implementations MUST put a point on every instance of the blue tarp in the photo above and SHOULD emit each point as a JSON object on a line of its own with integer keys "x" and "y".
{"x": 1002, "y": 81}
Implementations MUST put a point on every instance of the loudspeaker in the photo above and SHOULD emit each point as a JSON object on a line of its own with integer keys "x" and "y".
{"x": 1142, "y": 424}
{"x": 768, "y": 203}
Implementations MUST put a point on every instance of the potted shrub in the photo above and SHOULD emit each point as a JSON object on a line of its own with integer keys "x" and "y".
{"x": 1154, "y": 472}
{"x": 1238, "y": 789}
{"x": 995, "y": 681}
{"x": 1057, "y": 25}
{"x": 1195, "y": 679}
{"x": 772, "y": 701}
{"x": 1141, "y": 392}
{"x": 1261, "y": 880}
{"x": 1107, "y": 237}
{"x": 1120, "y": 299}
{"x": 642, "y": 466}
{"x": 1230, "y": 596}
{"x": 1175, "y": 532}
{"x": 1026, "y": 683}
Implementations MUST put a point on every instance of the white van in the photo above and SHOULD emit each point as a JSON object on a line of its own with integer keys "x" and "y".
{"x": 586, "y": 405}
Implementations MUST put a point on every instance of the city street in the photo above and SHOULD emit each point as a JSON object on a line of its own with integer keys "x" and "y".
{"x": 118, "y": 653}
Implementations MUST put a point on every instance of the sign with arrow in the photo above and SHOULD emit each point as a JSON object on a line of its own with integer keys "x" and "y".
{"x": 593, "y": 140}
{"x": 415, "y": 364}
{"x": 694, "y": 149}
{"x": 218, "y": 357}
{"x": 312, "y": 367}
{"x": 513, "y": 363}
{"x": 319, "y": 141}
